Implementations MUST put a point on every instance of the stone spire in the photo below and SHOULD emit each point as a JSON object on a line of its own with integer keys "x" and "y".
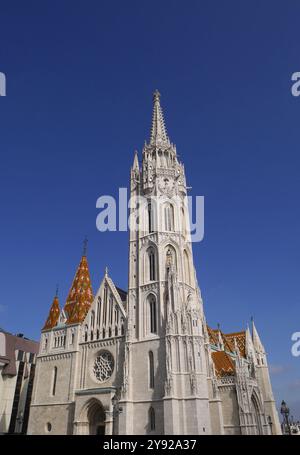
{"x": 135, "y": 165}
{"x": 80, "y": 295}
{"x": 256, "y": 340}
{"x": 249, "y": 348}
{"x": 158, "y": 131}
{"x": 53, "y": 314}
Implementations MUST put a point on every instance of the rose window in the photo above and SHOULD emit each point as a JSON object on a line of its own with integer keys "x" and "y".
{"x": 103, "y": 366}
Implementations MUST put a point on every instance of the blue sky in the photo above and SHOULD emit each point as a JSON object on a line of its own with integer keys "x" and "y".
{"x": 80, "y": 77}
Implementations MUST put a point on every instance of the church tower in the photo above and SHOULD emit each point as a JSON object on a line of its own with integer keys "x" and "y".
{"x": 263, "y": 378}
{"x": 165, "y": 387}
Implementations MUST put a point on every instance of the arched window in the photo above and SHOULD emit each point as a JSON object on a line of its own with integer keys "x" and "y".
{"x": 105, "y": 303}
{"x": 152, "y": 419}
{"x": 54, "y": 381}
{"x": 98, "y": 311}
{"x": 169, "y": 217}
{"x": 152, "y": 313}
{"x": 151, "y": 258}
{"x": 92, "y": 319}
{"x": 151, "y": 370}
{"x": 111, "y": 309}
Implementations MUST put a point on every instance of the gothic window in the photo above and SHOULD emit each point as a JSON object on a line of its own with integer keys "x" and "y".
{"x": 151, "y": 370}
{"x": 98, "y": 310}
{"x": 152, "y": 313}
{"x": 46, "y": 343}
{"x": 152, "y": 419}
{"x": 116, "y": 331}
{"x": 186, "y": 267}
{"x": 103, "y": 333}
{"x": 92, "y": 319}
{"x": 150, "y": 220}
{"x": 72, "y": 338}
{"x": 183, "y": 223}
{"x": 105, "y": 305}
{"x": 169, "y": 217}
{"x": 111, "y": 308}
{"x": 109, "y": 333}
{"x": 151, "y": 258}
{"x": 122, "y": 329}
{"x": 54, "y": 381}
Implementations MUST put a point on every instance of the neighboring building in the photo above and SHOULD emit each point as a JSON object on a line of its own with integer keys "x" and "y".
{"x": 146, "y": 362}
{"x": 17, "y": 368}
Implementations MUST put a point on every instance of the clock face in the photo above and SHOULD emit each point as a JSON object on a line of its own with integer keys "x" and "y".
{"x": 103, "y": 366}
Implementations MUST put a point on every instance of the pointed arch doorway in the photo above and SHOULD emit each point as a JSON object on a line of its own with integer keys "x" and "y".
{"x": 256, "y": 428}
{"x": 96, "y": 418}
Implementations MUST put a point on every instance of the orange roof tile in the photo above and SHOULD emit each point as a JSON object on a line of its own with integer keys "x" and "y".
{"x": 240, "y": 338}
{"x": 53, "y": 315}
{"x": 224, "y": 365}
{"x": 214, "y": 335}
{"x": 80, "y": 295}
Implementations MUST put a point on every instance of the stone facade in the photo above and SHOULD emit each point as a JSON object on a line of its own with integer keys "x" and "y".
{"x": 146, "y": 362}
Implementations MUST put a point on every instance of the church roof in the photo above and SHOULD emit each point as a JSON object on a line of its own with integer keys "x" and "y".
{"x": 240, "y": 339}
{"x": 80, "y": 295}
{"x": 229, "y": 340}
{"x": 224, "y": 365}
{"x": 53, "y": 314}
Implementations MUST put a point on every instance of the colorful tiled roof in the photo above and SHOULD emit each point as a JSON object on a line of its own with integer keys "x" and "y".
{"x": 53, "y": 315}
{"x": 224, "y": 365}
{"x": 240, "y": 339}
{"x": 228, "y": 340}
{"x": 80, "y": 295}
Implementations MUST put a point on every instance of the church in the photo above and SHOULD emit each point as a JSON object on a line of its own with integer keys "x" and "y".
{"x": 144, "y": 361}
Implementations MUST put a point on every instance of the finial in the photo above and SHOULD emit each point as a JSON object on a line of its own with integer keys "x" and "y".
{"x": 156, "y": 95}
{"x": 56, "y": 291}
{"x": 85, "y": 242}
{"x": 218, "y": 325}
{"x": 106, "y": 271}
